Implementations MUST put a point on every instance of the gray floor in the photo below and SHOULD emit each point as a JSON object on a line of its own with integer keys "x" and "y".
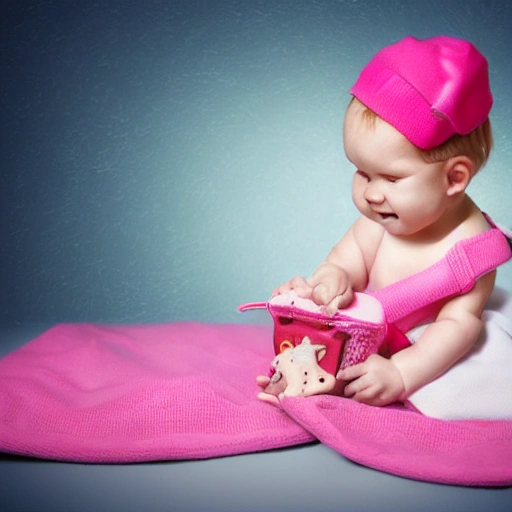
{"x": 306, "y": 478}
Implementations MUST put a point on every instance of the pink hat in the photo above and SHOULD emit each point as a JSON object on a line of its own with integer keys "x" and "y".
{"x": 427, "y": 89}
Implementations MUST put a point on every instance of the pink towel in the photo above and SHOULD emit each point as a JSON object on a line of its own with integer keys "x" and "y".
{"x": 408, "y": 444}
{"x": 91, "y": 393}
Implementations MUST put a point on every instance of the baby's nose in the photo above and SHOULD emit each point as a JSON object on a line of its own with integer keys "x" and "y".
{"x": 373, "y": 194}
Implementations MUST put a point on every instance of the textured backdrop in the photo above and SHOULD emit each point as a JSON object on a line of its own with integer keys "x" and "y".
{"x": 167, "y": 160}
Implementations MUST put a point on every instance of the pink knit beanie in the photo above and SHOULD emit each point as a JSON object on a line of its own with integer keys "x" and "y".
{"x": 427, "y": 89}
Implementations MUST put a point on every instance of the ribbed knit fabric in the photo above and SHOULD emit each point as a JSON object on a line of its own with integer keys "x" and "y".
{"x": 91, "y": 393}
{"x": 455, "y": 274}
{"x": 115, "y": 394}
{"x": 408, "y": 444}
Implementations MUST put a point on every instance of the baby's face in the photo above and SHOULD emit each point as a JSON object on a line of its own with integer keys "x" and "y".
{"x": 392, "y": 185}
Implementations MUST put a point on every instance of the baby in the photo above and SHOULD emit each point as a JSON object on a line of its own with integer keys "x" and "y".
{"x": 416, "y": 131}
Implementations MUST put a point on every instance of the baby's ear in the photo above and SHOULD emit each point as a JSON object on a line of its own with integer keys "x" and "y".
{"x": 459, "y": 172}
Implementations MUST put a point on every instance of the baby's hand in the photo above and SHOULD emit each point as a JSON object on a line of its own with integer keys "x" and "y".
{"x": 376, "y": 381}
{"x": 263, "y": 381}
{"x": 331, "y": 287}
{"x": 298, "y": 284}
{"x": 328, "y": 286}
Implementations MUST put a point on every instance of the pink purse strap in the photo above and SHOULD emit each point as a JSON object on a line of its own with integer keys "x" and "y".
{"x": 252, "y": 305}
{"x": 455, "y": 274}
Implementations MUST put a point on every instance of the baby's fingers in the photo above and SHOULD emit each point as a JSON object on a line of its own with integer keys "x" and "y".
{"x": 268, "y": 398}
{"x": 298, "y": 284}
{"x": 282, "y": 289}
{"x": 341, "y": 301}
{"x": 262, "y": 380}
{"x": 351, "y": 372}
{"x": 357, "y": 388}
{"x": 369, "y": 395}
{"x": 301, "y": 287}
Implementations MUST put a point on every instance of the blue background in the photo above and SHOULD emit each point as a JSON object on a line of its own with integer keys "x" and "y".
{"x": 169, "y": 160}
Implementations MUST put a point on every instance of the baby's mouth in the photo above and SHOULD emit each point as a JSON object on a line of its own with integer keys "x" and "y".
{"x": 385, "y": 216}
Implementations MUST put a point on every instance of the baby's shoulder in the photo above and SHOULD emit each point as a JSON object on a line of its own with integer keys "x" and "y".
{"x": 475, "y": 224}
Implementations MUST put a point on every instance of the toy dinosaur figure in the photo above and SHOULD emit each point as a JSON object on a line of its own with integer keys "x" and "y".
{"x": 296, "y": 372}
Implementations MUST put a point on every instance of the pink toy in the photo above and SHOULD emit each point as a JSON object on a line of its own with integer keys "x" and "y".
{"x": 331, "y": 342}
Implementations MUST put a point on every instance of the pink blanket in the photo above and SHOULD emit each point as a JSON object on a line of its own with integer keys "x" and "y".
{"x": 111, "y": 394}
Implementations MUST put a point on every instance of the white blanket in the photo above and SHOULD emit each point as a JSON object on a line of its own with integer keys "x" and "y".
{"x": 479, "y": 386}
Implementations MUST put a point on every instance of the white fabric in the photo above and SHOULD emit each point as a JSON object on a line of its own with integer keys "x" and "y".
{"x": 480, "y": 385}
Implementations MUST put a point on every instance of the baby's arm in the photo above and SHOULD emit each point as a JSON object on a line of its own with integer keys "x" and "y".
{"x": 380, "y": 381}
{"x": 447, "y": 340}
{"x": 344, "y": 271}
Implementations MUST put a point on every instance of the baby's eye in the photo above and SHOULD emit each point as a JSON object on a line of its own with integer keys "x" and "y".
{"x": 363, "y": 175}
{"x": 391, "y": 179}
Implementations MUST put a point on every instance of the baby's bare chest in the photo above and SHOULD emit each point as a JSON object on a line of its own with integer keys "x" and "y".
{"x": 395, "y": 261}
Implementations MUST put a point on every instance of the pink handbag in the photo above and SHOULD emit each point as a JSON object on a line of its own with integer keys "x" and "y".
{"x": 349, "y": 337}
